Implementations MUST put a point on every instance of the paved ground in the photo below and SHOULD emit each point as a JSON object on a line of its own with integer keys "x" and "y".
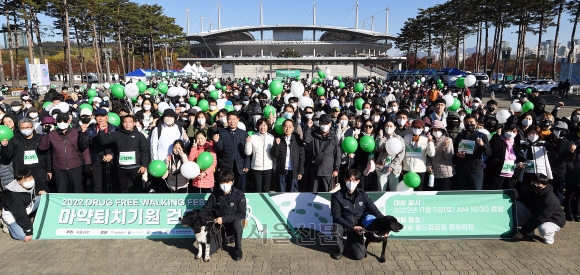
{"x": 403, "y": 257}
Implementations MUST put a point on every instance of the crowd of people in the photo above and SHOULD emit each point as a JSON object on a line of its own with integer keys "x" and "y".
{"x": 107, "y": 147}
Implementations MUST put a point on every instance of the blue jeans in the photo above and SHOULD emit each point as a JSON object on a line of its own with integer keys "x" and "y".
{"x": 469, "y": 180}
{"x": 288, "y": 179}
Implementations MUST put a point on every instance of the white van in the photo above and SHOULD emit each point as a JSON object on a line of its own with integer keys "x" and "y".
{"x": 483, "y": 78}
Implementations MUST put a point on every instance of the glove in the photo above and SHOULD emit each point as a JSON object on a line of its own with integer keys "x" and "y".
{"x": 87, "y": 169}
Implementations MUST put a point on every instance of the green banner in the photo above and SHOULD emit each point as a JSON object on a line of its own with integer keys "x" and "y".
{"x": 287, "y": 73}
{"x": 425, "y": 215}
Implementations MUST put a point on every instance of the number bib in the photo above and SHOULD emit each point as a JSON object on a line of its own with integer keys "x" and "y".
{"x": 413, "y": 152}
{"x": 508, "y": 167}
{"x": 127, "y": 158}
{"x": 30, "y": 157}
{"x": 530, "y": 167}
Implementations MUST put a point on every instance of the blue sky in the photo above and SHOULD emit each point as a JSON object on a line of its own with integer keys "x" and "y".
{"x": 328, "y": 12}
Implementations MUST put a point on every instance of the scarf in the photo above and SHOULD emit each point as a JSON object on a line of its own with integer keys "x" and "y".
{"x": 544, "y": 134}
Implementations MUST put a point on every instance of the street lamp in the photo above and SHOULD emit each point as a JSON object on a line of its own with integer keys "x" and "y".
{"x": 505, "y": 54}
{"x": 429, "y": 61}
{"x": 108, "y": 53}
{"x": 198, "y": 64}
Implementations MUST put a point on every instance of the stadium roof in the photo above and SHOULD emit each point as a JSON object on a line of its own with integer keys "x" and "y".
{"x": 244, "y": 31}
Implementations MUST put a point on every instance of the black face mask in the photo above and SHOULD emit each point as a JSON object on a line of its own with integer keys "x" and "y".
{"x": 490, "y": 109}
{"x": 539, "y": 108}
{"x": 546, "y": 123}
{"x": 491, "y": 125}
{"x": 452, "y": 124}
{"x": 85, "y": 120}
{"x": 537, "y": 189}
{"x": 470, "y": 127}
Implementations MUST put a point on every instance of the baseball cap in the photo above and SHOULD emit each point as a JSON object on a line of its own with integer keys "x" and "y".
{"x": 101, "y": 112}
{"x": 86, "y": 112}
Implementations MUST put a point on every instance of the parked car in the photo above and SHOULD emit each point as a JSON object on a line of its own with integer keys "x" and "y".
{"x": 541, "y": 85}
{"x": 483, "y": 78}
{"x": 508, "y": 85}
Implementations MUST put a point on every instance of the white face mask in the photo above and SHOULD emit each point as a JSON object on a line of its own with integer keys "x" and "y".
{"x": 25, "y": 97}
{"x": 376, "y": 119}
{"x": 212, "y": 107}
{"x": 389, "y": 130}
{"x": 366, "y": 111}
{"x": 417, "y": 131}
{"x": 28, "y": 184}
{"x": 325, "y": 128}
{"x": 146, "y": 107}
{"x": 224, "y": 119}
{"x": 309, "y": 116}
{"x": 347, "y": 104}
{"x": 139, "y": 101}
{"x": 401, "y": 122}
{"x": 139, "y": 128}
{"x": 33, "y": 115}
{"x": 576, "y": 118}
{"x": 533, "y": 138}
{"x": 294, "y": 105}
{"x": 394, "y": 109}
{"x": 382, "y": 109}
{"x": 527, "y": 122}
{"x": 201, "y": 121}
{"x": 510, "y": 135}
{"x": 475, "y": 105}
{"x": 16, "y": 109}
{"x": 321, "y": 102}
{"x": 245, "y": 102}
{"x": 437, "y": 134}
{"x": 557, "y": 133}
{"x": 343, "y": 123}
{"x": 26, "y": 132}
{"x": 226, "y": 187}
{"x": 28, "y": 105}
{"x": 426, "y": 129}
{"x": 62, "y": 125}
{"x": 106, "y": 109}
{"x": 351, "y": 185}
{"x": 423, "y": 99}
{"x": 168, "y": 120}
{"x": 136, "y": 110}
{"x": 237, "y": 108}
{"x": 461, "y": 118}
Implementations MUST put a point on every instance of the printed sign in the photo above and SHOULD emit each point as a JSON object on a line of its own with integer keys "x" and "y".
{"x": 467, "y": 146}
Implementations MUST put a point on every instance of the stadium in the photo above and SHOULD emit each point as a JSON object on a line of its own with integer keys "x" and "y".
{"x": 243, "y": 51}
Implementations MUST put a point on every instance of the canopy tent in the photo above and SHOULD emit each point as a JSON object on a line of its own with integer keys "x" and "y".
{"x": 136, "y": 75}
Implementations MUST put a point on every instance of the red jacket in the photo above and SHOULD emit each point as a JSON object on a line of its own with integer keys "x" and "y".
{"x": 208, "y": 180}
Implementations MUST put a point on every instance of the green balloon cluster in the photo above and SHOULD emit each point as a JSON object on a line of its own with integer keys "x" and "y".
{"x": 456, "y": 105}
{"x": 204, "y": 160}
{"x": 440, "y": 85}
{"x": 367, "y": 144}
{"x": 412, "y": 179}
{"x": 275, "y": 87}
{"x": 359, "y": 87}
{"x": 358, "y": 103}
{"x": 349, "y": 145}
{"x": 114, "y": 119}
{"x": 157, "y": 168}
{"x": 321, "y": 74}
{"x": 439, "y": 81}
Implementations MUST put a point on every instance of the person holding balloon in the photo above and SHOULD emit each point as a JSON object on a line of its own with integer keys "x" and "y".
{"x": 363, "y": 158}
{"x": 173, "y": 177}
{"x": 441, "y": 165}
{"x": 147, "y": 114}
{"x": 389, "y": 162}
{"x": 417, "y": 148}
{"x": 203, "y": 153}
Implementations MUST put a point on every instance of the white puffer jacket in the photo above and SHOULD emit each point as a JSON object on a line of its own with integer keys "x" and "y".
{"x": 259, "y": 148}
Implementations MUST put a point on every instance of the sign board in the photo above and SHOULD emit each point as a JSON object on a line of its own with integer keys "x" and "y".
{"x": 37, "y": 74}
{"x": 425, "y": 215}
{"x": 287, "y": 73}
{"x": 570, "y": 71}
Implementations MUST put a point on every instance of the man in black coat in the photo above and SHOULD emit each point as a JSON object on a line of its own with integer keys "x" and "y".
{"x": 229, "y": 144}
{"x": 349, "y": 207}
{"x": 540, "y": 209}
{"x": 228, "y": 205}
{"x": 289, "y": 168}
{"x": 323, "y": 148}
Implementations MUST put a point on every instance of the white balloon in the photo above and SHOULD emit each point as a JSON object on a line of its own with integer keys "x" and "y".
{"x": 329, "y": 77}
{"x": 334, "y": 103}
{"x": 131, "y": 90}
{"x": 204, "y": 79}
{"x": 309, "y": 80}
{"x": 402, "y": 187}
{"x": 422, "y": 79}
{"x": 287, "y": 97}
{"x": 45, "y": 88}
{"x": 502, "y": 116}
{"x": 210, "y": 88}
{"x": 414, "y": 84}
{"x": 107, "y": 85}
{"x": 485, "y": 132}
{"x": 63, "y": 107}
{"x": 335, "y": 83}
{"x": 393, "y": 146}
{"x": 297, "y": 89}
{"x": 221, "y": 103}
{"x": 182, "y": 91}
{"x": 269, "y": 81}
{"x": 449, "y": 100}
{"x": 190, "y": 170}
{"x": 242, "y": 126}
{"x": 162, "y": 106}
{"x": 267, "y": 92}
{"x": 173, "y": 91}
{"x": 327, "y": 71}
{"x": 305, "y": 102}
{"x": 197, "y": 109}
{"x": 470, "y": 80}
{"x": 215, "y": 80}
{"x": 516, "y": 107}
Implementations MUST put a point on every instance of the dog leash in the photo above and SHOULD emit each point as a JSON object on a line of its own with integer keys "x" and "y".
{"x": 218, "y": 230}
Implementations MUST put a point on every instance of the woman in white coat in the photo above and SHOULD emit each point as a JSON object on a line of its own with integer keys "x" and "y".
{"x": 388, "y": 166}
{"x": 258, "y": 146}
{"x": 417, "y": 148}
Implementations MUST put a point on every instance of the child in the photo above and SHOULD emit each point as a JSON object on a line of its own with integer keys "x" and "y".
{"x": 19, "y": 203}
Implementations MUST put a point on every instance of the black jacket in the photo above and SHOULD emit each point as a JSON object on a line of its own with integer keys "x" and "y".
{"x": 278, "y": 152}
{"x": 15, "y": 150}
{"x": 230, "y": 207}
{"x": 494, "y": 163}
{"x": 348, "y": 210}
{"x": 128, "y": 141}
{"x": 558, "y": 154}
{"x": 472, "y": 162}
{"x": 16, "y": 203}
{"x": 90, "y": 139}
{"x": 545, "y": 207}
{"x": 230, "y": 149}
{"x": 315, "y": 143}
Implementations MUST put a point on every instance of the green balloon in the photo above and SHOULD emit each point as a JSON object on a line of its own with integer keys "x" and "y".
{"x": 134, "y": 100}
{"x": 114, "y": 119}
{"x": 214, "y": 94}
{"x": 204, "y": 160}
{"x": 275, "y": 87}
{"x": 418, "y": 81}
{"x": 91, "y": 93}
{"x": 250, "y": 133}
{"x": 86, "y": 106}
{"x": 278, "y": 125}
{"x": 456, "y": 105}
{"x": 192, "y": 101}
{"x": 218, "y": 85}
{"x": 341, "y": 85}
{"x": 118, "y": 91}
{"x": 358, "y": 103}
{"x": 90, "y": 101}
{"x": 142, "y": 86}
{"x": 528, "y": 90}
{"x": 439, "y": 81}
{"x": 359, "y": 87}
{"x": 412, "y": 179}
{"x": 230, "y": 108}
{"x": 367, "y": 144}
{"x": 321, "y": 74}
{"x": 320, "y": 91}
{"x": 528, "y": 106}
{"x": 440, "y": 85}
{"x": 339, "y": 78}
{"x": 157, "y": 168}
{"x": 224, "y": 88}
{"x": 460, "y": 82}
{"x": 314, "y": 80}
{"x": 195, "y": 85}
{"x": 6, "y": 132}
{"x": 247, "y": 81}
{"x": 46, "y": 104}
{"x": 203, "y": 104}
{"x": 468, "y": 111}
{"x": 162, "y": 87}
{"x": 269, "y": 110}
{"x": 349, "y": 145}
{"x": 261, "y": 82}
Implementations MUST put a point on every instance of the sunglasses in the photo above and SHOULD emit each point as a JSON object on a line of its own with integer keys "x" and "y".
{"x": 309, "y": 113}
{"x": 62, "y": 120}
{"x": 368, "y": 126}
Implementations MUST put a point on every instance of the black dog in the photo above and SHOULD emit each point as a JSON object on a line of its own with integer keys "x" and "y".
{"x": 202, "y": 226}
{"x": 378, "y": 230}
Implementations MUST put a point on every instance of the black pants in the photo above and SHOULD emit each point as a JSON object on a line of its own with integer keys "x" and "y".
{"x": 104, "y": 173}
{"x": 354, "y": 239}
{"x": 230, "y": 229}
{"x": 71, "y": 179}
{"x": 324, "y": 182}
{"x": 443, "y": 184}
{"x": 262, "y": 180}
{"x": 130, "y": 181}
{"x": 499, "y": 182}
{"x": 285, "y": 180}
{"x": 193, "y": 190}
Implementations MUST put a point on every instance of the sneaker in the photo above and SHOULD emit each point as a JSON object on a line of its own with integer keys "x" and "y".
{"x": 238, "y": 254}
{"x": 151, "y": 190}
{"x": 4, "y": 226}
{"x": 549, "y": 240}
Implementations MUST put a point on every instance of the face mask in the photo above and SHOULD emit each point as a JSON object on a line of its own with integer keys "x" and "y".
{"x": 343, "y": 123}
{"x": 437, "y": 134}
{"x": 26, "y": 132}
{"x": 62, "y": 125}
{"x": 168, "y": 121}
{"x": 366, "y": 111}
{"x": 245, "y": 102}
{"x": 401, "y": 122}
{"x": 461, "y": 118}
{"x": 426, "y": 129}
{"x": 527, "y": 122}
{"x": 417, "y": 131}
{"x": 25, "y": 97}
{"x": 309, "y": 116}
{"x": 537, "y": 189}
{"x": 394, "y": 109}
{"x": 321, "y": 102}
{"x": 533, "y": 138}
{"x": 237, "y": 108}
{"x": 212, "y": 107}
{"x": 85, "y": 120}
{"x": 136, "y": 110}
{"x": 225, "y": 187}
{"x": 376, "y": 119}
{"x": 557, "y": 133}
{"x": 294, "y": 105}
{"x": 33, "y": 115}
{"x": 316, "y": 123}
{"x": 389, "y": 130}
{"x": 201, "y": 121}
{"x": 139, "y": 129}
{"x": 423, "y": 99}
{"x": 470, "y": 127}
{"x": 576, "y": 118}
{"x": 288, "y": 115}
{"x": 324, "y": 128}
{"x": 16, "y": 109}
{"x": 28, "y": 105}
{"x": 28, "y": 184}
{"x": 351, "y": 185}
{"x": 475, "y": 105}
{"x": 510, "y": 135}
{"x": 139, "y": 101}
{"x": 224, "y": 119}
{"x": 236, "y": 93}
{"x": 347, "y": 104}
{"x": 146, "y": 107}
